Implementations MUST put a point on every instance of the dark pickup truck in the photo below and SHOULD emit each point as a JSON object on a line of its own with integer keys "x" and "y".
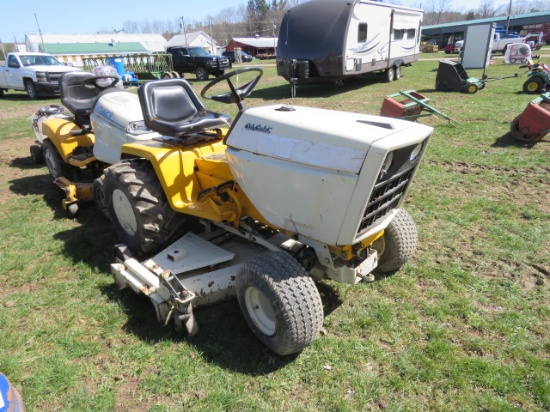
{"x": 197, "y": 60}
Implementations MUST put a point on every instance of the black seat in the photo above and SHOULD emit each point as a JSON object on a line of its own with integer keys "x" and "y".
{"x": 77, "y": 98}
{"x": 172, "y": 108}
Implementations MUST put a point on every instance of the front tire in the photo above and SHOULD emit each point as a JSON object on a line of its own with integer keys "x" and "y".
{"x": 30, "y": 88}
{"x": 398, "y": 244}
{"x": 37, "y": 154}
{"x": 137, "y": 206}
{"x": 201, "y": 73}
{"x": 280, "y": 302}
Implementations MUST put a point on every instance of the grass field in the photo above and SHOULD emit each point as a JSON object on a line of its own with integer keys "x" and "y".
{"x": 464, "y": 326}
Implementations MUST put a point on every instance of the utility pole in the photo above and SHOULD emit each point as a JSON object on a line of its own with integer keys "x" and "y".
{"x": 182, "y": 24}
{"x": 508, "y": 20}
{"x": 40, "y": 33}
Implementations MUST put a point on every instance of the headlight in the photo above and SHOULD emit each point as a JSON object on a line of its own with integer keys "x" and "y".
{"x": 415, "y": 151}
{"x": 386, "y": 165}
{"x": 41, "y": 77}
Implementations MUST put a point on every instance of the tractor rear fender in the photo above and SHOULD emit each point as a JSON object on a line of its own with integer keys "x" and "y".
{"x": 59, "y": 131}
{"x": 193, "y": 179}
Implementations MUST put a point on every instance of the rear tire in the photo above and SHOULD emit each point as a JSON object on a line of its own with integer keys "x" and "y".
{"x": 56, "y": 165}
{"x": 137, "y": 206}
{"x": 398, "y": 244}
{"x": 280, "y": 302}
{"x": 533, "y": 85}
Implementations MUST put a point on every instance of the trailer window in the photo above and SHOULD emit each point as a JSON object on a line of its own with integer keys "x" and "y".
{"x": 362, "y": 33}
{"x": 398, "y": 34}
{"x": 411, "y": 33}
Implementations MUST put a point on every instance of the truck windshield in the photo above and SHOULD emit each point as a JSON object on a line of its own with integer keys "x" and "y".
{"x": 33, "y": 60}
{"x": 198, "y": 52}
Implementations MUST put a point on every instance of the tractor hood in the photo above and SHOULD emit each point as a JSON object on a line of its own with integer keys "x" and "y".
{"x": 317, "y": 172}
{"x": 327, "y": 139}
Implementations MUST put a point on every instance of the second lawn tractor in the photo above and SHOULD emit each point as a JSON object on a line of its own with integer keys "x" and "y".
{"x": 538, "y": 78}
{"x": 256, "y": 207}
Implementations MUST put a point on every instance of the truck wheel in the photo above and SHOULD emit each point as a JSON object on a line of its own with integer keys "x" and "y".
{"x": 390, "y": 74}
{"x": 56, "y": 165}
{"x": 137, "y": 206}
{"x": 398, "y": 243}
{"x": 201, "y": 73}
{"x": 37, "y": 154}
{"x": 280, "y": 302}
{"x": 533, "y": 85}
{"x": 30, "y": 88}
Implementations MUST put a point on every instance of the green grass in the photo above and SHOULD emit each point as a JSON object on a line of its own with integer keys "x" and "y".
{"x": 462, "y": 327}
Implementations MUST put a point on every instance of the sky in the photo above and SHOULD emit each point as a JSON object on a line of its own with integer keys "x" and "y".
{"x": 76, "y": 17}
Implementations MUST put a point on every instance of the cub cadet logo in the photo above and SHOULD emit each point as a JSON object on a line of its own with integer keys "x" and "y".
{"x": 104, "y": 112}
{"x": 258, "y": 128}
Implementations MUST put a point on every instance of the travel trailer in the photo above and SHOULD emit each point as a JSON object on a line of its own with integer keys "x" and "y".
{"x": 331, "y": 40}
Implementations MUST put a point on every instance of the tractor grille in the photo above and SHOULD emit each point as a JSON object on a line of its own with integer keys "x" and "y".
{"x": 390, "y": 188}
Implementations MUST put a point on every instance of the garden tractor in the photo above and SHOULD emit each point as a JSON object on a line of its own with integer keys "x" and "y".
{"x": 256, "y": 207}
{"x": 538, "y": 78}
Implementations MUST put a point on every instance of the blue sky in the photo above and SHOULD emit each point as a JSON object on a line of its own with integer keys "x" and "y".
{"x": 76, "y": 17}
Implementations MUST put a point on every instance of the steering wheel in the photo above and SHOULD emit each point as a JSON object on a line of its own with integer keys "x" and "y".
{"x": 90, "y": 82}
{"x": 236, "y": 95}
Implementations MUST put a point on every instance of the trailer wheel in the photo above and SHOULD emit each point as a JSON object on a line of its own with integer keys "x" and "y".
{"x": 390, "y": 74}
{"x": 523, "y": 135}
{"x": 533, "y": 85}
{"x": 201, "y": 73}
{"x": 280, "y": 302}
{"x": 398, "y": 243}
{"x": 397, "y": 72}
{"x": 138, "y": 207}
{"x": 56, "y": 165}
{"x": 167, "y": 75}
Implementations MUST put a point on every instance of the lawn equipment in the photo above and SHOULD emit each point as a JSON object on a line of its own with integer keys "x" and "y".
{"x": 517, "y": 53}
{"x": 538, "y": 78}
{"x": 282, "y": 195}
{"x": 451, "y": 76}
{"x": 534, "y": 123}
{"x": 409, "y": 105}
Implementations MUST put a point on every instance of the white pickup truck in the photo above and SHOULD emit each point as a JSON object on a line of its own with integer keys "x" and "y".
{"x": 499, "y": 43}
{"x": 35, "y": 73}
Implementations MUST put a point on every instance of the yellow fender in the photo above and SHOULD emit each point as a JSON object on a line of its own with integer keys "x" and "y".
{"x": 196, "y": 179}
{"x": 59, "y": 132}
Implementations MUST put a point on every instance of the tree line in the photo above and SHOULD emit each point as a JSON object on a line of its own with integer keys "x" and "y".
{"x": 263, "y": 17}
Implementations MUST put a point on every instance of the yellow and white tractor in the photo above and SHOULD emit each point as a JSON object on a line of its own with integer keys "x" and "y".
{"x": 258, "y": 206}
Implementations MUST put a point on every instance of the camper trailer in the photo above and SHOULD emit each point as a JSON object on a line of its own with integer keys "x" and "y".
{"x": 331, "y": 40}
